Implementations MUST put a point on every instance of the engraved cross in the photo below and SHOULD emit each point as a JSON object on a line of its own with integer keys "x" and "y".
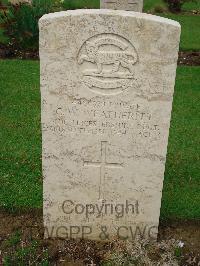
{"x": 102, "y": 165}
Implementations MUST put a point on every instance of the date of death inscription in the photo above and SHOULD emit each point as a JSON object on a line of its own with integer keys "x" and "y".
{"x": 104, "y": 118}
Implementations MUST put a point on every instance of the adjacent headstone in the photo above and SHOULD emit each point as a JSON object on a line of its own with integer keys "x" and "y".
{"x": 18, "y": 2}
{"x": 128, "y": 5}
{"x": 107, "y": 82}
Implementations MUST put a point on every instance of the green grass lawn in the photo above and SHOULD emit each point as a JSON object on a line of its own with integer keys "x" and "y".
{"x": 181, "y": 195}
{"x": 188, "y": 6}
{"x": 20, "y": 136}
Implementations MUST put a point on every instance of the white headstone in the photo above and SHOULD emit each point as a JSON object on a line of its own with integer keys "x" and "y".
{"x": 107, "y": 82}
{"x": 17, "y": 2}
{"x": 128, "y": 5}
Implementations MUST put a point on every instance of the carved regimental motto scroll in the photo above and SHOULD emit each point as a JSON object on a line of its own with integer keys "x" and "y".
{"x": 107, "y": 63}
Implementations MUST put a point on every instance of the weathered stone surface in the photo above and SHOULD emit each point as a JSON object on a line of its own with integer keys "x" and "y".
{"x": 107, "y": 82}
{"x": 128, "y": 5}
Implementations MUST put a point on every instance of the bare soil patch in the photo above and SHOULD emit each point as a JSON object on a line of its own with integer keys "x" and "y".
{"x": 189, "y": 58}
{"x": 8, "y": 52}
{"x": 85, "y": 252}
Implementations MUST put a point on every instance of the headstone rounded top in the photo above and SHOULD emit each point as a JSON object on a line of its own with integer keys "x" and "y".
{"x": 137, "y": 15}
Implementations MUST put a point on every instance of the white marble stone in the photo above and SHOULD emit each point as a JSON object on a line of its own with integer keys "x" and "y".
{"x": 107, "y": 82}
{"x": 128, "y": 5}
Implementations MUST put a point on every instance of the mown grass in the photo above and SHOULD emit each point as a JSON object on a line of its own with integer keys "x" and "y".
{"x": 20, "y": 141}
{"x": 20, "y": 135}
{"x": 181, "y": 195}
{"x": 189, "y": 6}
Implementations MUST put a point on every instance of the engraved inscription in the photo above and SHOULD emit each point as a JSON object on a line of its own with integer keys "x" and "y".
{"x": 121, "y": 4}
{"x": 114, "y": 1}
{"x": 105, "y": 117}
{"x": 132, "y": 2}
{"x": 107, "y": 63}
{"x": 109, "y": 1}
{"x": 102, "y": 165}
